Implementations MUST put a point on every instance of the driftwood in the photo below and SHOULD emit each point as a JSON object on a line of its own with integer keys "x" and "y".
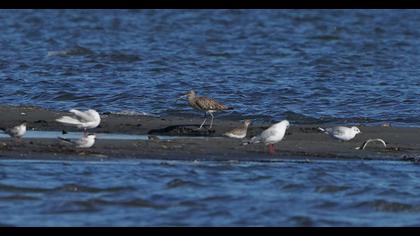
{"x": 371, "y": 140}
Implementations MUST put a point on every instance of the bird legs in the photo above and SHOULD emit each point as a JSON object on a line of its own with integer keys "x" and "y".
{"x": 18, "y": 140}
{"x": 205, "y": 119}
{"x": 212, "y": 117}
{"x": 271, "y": 149}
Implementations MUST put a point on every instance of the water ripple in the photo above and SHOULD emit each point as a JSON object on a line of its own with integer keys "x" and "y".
{"x": 388, "y": 206}
{"x": 305, "y": 65}
{"x": 330, "y": 193}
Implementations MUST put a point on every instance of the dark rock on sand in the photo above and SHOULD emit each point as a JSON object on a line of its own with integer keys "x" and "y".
{"x": 183, "y": 130}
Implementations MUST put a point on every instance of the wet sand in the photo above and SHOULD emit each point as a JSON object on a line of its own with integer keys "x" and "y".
{"x": 302, "y": 142}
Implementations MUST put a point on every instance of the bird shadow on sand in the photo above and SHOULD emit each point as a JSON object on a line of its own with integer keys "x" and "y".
{"x": 183, "y": 130}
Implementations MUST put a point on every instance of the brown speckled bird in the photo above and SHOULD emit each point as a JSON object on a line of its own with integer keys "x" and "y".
{"x": 208, "y": 105}
{"x": 239, "y": 132}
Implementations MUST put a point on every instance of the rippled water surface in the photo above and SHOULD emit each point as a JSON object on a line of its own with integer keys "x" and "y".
{"x": 309, "y": 66}
{"x": 167, "y": 193}
{"x": 305, "y": 65}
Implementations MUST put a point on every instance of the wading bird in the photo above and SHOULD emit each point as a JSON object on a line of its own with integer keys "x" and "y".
{"x": 205, "y": 104}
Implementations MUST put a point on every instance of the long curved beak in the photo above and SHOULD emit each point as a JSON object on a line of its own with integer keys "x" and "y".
{"x": 181, "y": 97}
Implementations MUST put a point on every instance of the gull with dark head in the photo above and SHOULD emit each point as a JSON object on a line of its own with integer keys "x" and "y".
{"x": 86, "y": 141}
{"x": 82, "y": 119}
{"x": 16, "y": 131}
{"x": 270, "y": 136}
{"x": 205, "y": 104}
{"x": 342, "y": 133}
{"x": 239, "y": 132}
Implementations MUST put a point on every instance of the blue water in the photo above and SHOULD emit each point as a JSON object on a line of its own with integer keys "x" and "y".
{"x": 175, "y": 193}
{"x": 305, "y": 65}
{"x": 309, "y": 66}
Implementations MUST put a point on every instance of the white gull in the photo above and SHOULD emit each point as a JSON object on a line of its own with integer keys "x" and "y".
{"x": 272, "y": 135}
{"x": 82, "y": 119}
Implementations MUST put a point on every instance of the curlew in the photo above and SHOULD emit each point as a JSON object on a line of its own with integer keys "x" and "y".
{"x": 205, "y": 104}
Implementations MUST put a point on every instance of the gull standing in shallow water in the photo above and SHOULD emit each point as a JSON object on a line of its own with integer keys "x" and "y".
{"x": 270, "y": 136}
{"x": 84, "y": 142}
{"x": 341, "y": 132}
{"x": 240, "y": 132}
{"x": 16, "y": 131}
{"x": 208, "y": 105}
{"x": 82, "y": 119}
